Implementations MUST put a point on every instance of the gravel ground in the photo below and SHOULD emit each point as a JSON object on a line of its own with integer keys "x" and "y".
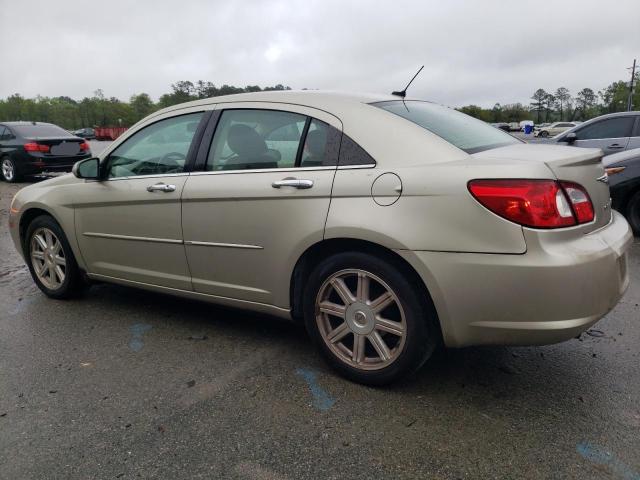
{"x": 129, "y": 384}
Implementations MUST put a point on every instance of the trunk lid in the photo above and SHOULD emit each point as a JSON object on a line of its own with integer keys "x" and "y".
{"x": 579, "y": 165}
{"x": 59, "y": 146}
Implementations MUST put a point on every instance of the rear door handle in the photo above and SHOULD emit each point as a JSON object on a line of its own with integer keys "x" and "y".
{"x": 293, "y": 182}
{"x": 615, "y": 146}
{"x": 161, "y": 187}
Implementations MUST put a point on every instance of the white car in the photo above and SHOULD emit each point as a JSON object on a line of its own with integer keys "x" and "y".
{"x": 554, "y": 129}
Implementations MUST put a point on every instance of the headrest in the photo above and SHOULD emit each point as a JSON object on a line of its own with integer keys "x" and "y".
{"x": 244, "y": 141}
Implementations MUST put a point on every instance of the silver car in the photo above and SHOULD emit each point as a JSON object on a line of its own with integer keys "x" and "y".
{"x": 612, "y": 133}
{"x": 387, "y": 226}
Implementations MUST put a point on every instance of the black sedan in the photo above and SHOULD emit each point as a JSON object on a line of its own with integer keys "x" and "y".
{"x": 28, "y": 148}
{"x": 623, "y": 170}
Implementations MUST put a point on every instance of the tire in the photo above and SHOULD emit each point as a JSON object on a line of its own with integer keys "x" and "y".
{"x": 408, "y": 327}
{"x": 8, "y": 170}
{"x": 633, "y": 213}
{"x": 544, "y": 134}
{"x": 52, "y": 246}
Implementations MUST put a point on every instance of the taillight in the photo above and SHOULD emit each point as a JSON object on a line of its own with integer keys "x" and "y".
{"x": 534, "y": 203}
{"x": 580, "y": 201}
{"x": 84, "y": 146}
{"x": 36, "y": 147}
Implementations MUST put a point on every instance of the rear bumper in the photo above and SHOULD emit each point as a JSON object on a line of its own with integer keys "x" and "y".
{"x": 30, "y": 165}
{"x": 553, "y": 292}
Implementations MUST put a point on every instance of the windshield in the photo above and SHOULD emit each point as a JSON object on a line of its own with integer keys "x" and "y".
{"x": 463, "y": 131}
{"x": 40, "y": 131}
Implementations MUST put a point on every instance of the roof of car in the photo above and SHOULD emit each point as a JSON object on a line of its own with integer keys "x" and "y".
{"x": 19, "y": 123}
{"x": 311, "y": 98}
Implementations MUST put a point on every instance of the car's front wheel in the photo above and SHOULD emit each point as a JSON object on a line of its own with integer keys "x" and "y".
{"x": 50, "y": 259}
{"x": 544, "y": 134}
{"x": 8, "y": 170}
{"x": 368, "y": 319}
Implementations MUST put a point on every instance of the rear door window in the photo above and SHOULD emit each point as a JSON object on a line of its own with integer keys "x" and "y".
{"x": 610, "y": 128}
{"x": 255, "y": 139}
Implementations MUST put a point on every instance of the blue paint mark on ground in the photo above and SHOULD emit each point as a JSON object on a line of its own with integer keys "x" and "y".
{"x": 321, "y": 399}
{"x": 137, "y": 331}
{"x": 600, "y": 456}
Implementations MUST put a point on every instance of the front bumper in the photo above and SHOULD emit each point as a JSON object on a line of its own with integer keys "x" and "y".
{"x": 551, "y": 293}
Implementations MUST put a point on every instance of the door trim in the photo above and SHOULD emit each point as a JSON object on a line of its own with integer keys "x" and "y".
{"x": 223, "y": 245}
{"x": 112, "y": 236}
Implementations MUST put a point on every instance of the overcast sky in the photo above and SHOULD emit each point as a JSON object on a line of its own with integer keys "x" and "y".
{"x": 474, "y": 51}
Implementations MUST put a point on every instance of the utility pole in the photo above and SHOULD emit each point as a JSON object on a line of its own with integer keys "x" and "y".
{"x": 633, "y": 76}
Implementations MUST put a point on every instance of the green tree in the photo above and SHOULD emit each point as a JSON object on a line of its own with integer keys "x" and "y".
{"x": 562, "y": 97}
{"x": 539, "y": 99}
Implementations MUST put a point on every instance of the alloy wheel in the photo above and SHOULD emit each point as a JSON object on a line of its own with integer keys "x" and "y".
{"x": 7, "y": 169}
{"x": 48, "y": 258}
{"x": 361, "y": 319}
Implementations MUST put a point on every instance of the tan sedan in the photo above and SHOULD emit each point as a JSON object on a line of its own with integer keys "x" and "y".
{"x": 387, "y": 226}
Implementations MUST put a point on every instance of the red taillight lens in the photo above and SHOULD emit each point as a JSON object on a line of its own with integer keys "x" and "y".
{"x": 84, "y": 146}
{"x": 580, "y": 201}
{"x": 533, "y": 203}
{"x": 36, "y": 147}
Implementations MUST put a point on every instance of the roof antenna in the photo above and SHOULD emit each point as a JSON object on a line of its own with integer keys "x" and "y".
{"x": 403, "y": 93}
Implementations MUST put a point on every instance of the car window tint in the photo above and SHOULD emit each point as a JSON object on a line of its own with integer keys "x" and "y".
{"x": 610, "y": 128}
{"x": 256, "y": 139}
{"x": 40, "y": 131}
{"x": 465, "y": 132}
{"x": 3, "y": 133}
{"x": 353, "y": 154}
{"x": 321, "y": 146}
{"x": 160, "y": 148}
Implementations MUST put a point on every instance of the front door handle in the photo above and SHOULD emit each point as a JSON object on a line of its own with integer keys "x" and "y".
{"x": 293, "y": 182}
{"x": 161, "y": 187}
{"x": 615, "y": 146}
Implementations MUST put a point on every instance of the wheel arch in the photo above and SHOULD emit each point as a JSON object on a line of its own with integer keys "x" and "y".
{"x": 29, "y": 214}
{"x": 321, "y": 250}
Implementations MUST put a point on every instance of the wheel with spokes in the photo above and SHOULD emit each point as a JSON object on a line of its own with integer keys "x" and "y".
{"x": 50, "y": 259}
{"x": 368, "y": 319}
{"x": 8, "y": 170}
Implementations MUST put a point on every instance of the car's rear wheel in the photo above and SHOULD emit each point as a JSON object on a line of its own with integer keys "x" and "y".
{"x": 8, "y": 170}
{"x": 50, "y": 259}
{"x": 633, "y": 213}
{"x": 368, "y": 319}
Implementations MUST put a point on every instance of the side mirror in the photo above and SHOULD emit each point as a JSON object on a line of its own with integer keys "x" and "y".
{"x": 89, "y": 169}
{"x": 569, "y": 138}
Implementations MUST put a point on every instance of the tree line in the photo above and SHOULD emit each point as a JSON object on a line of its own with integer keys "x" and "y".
{"x": 98, "y": 110}
{"x": 560, "y": 105}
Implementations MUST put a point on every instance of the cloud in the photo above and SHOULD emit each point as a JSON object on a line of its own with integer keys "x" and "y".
{"x": 473, "y": 52}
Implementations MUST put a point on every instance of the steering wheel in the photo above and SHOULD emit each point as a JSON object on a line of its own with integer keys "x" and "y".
{"x": 170, "y": 162}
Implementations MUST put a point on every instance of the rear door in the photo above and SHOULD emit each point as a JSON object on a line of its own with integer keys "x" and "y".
{"x": 610, "y": 134}
{"x": 260, "y": 199}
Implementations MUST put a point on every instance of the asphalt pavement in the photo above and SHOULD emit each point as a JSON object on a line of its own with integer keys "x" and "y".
{"x": 129, "y": 384}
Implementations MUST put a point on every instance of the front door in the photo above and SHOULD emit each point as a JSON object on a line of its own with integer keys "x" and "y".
{"x": 128, "y": 225}
{"x": 611, "y": 134}
{"x": 261, "y": 199}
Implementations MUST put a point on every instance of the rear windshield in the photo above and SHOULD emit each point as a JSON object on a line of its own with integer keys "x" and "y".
{"x": 463, "y": 131}
{"x": 40, "y": 131}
